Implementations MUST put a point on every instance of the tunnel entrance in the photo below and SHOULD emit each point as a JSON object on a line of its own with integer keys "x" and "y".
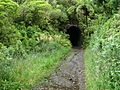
{"x": 75, "y": 36}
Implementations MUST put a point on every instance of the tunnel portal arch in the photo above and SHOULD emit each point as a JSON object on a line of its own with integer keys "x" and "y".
{"x": 74, "y": 35}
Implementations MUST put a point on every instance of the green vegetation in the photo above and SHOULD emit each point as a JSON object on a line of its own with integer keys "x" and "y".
{"x": 102, "y": 56}
{"x": 31, "y": 46}
{"x": 33, "y": 40}
{"x": 24, "y": 73}
{"x": 103, "y": 63}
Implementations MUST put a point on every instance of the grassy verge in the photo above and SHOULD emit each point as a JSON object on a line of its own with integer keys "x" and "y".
{"x": 90, "y": 70}
{"x": 102, "y": 57}
{"x": 26, "y": 73}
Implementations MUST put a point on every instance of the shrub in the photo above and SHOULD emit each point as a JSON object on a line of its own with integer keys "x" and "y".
{"x": 103, "y": 66}
{"x": 8, "y": 9}
{"x": 106, "y": 6}
{"x": 34, "y": 46}
{"x": 19, "y": 1}
{"x": 9, "y": 34}
{"x": 34, "y": 13}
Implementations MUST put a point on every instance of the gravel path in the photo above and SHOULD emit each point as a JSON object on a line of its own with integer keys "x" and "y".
{"x": 69, "y": 76}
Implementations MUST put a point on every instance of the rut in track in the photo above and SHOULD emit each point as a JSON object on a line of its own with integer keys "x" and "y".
{"x": 69, "y": 76}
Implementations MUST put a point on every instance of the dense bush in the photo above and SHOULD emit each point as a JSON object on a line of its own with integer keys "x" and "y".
{"x": 19, "y": 1}
{"x": 105, "y": 6}
{"x": 102, "y": 38}
{"x": 102, "y": 65}
{"x": 41, "y": 45}
{"x": 29, "y": 36}
{"x": 8, "y": 33}
{"x": 34, "y": 13}
{"x": 8, "y": 9}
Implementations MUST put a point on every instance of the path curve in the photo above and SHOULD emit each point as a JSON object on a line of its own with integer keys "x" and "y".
{"x": 69, "y": 76}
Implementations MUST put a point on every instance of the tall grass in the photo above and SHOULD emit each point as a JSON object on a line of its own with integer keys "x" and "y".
{"x": 25, "y": 73}
{"x": 102, "y": 57}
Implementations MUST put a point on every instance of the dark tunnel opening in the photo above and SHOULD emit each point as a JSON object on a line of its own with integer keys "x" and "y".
{"x": 74, "y": 36}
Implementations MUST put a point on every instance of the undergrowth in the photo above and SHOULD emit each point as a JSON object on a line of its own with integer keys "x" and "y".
{"x": 31, "y": 44}
{"x": 102, "y": 57}
{"x": 25, "y": 73}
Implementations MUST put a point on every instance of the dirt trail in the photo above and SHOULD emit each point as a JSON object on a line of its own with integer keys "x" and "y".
{"x": 69, "y": 76}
